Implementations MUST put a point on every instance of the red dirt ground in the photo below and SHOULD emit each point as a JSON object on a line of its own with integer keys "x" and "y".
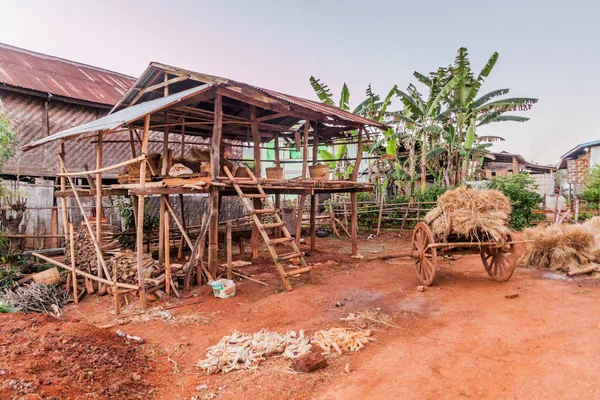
{"x": 461, "y": 338}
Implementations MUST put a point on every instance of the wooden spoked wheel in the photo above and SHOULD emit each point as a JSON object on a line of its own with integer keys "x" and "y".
{"x": 500, "y": 263}
{"x": 425, "y": 257}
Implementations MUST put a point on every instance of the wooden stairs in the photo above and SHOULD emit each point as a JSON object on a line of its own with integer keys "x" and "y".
{"x": 269, "y": 209}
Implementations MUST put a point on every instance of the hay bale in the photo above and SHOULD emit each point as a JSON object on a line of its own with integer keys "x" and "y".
{"x": 473, "y": 214}
{"x": 564, "y": 248}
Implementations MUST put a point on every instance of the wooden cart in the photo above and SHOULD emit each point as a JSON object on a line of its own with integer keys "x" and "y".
{"x": 499, "y": 258}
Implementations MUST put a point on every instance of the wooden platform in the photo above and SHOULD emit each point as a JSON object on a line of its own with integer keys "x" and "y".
{"x": 194, "y": 185}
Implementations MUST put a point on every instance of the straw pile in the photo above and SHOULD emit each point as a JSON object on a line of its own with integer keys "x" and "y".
{"x": 473, "y": 214}
{"x": 572, "y": 249}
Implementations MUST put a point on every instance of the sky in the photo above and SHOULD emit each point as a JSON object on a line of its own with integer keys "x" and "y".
{"x": 548, "y": 49}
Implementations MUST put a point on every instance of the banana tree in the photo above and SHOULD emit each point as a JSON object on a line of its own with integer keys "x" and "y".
{"x": 467, "y": 111}
{"x": 425, "y": 117}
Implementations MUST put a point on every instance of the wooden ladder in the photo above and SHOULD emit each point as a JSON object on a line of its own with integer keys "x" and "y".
{"x": 287, "y": 239}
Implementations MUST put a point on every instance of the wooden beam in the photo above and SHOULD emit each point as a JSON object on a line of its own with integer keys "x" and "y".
{"x": 278, "y": 231}
{"x": 73, "y": 263}
{"x": 213, "y": 234}
{"x": 164, "y": 84}
{"x": 140, "y": 217}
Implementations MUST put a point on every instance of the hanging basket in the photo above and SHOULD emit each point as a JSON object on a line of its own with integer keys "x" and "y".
{"x": 274, "y": 172}
{"x": 319, "y": 171}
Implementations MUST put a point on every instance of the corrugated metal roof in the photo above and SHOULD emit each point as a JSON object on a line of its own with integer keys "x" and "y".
{"x": 580, "y": 147}
{"x": 122, "y": 117}
{"x": 43, "y": 73}
{"x": 314, "y": 106}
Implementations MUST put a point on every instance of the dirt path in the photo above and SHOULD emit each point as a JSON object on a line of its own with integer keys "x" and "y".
{"x": 459, "y": 338}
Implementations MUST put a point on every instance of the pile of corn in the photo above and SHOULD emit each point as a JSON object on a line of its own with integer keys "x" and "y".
{"x": 341, "y": 339}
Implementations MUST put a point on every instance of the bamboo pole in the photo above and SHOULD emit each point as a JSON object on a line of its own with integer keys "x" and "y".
{"x": 182, "y": 217}
{"x": 73, "y": 263}
{"x": 115, "y": 289}
{"x": 140, "y": 217}
{"x": 89, "y": 227}
{"x": 354, "y": 196}
{"x": 99, "y": 148}
{"x": 105, "y": 169}
{"x": 82, "y": 273}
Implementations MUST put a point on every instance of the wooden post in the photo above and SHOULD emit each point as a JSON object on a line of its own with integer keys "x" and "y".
{"x": 229, "y": 250}
{"x": 167, "y": 242}
{"x": 115, "y": 289}
{"x": 278, "y": 231}
{"x": 354, "y": 196}
{"x": 314, "y": 197}
{"x": 257, "y": 204}
{"x": 181, "y": 208}
{"x": 300, "y": 211}
{"x": 73, "y": 262}
{"x": 99, "y": 146}
{"x": 305, "y": 150}
{"x": 182, "y": 217}
{"x": 380, "y": 211}
{"x": 354, "y": 223}
{"x": 515, "y": 166}
{"x": 140, "y": 217}
{"x": 163, "y": 172}
{"x": 213, "y": 233}
{"x": 63, "y": 188}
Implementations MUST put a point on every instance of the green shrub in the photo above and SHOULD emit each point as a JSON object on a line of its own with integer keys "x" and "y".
{"x": 520, "y": 190}
{"x": 591, "y": 191}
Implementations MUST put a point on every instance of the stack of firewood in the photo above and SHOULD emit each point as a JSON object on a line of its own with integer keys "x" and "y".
{"x": 154, "y": 275}
{"x": 85, "y": 253}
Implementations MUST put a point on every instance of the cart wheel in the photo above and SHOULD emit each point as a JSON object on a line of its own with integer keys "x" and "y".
{"x": 500, "y": 263}
{"x": 425, "y": 257}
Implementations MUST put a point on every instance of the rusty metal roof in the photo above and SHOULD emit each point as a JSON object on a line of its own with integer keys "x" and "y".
{"x": 43, "y": 73}
{"x": 333, "y": 112}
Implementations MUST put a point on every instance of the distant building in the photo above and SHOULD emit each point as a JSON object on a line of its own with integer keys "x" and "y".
{"x": 578, "y": 161}
{"x": 42, "y": 94}
{"x": 507, "y": 164}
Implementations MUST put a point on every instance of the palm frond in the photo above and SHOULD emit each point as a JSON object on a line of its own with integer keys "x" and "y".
{"x": 321, "y": 90}
{"x": 488, "y": 96}
{"x": 432, "y": 109}
{"x": 512, "y": 104}
{"x": 423, "y": 79}
{"x": 409, "y": 103}
{"x": 490, "y": 139}
{"x": 485, "y": 72}
{"x": 345, "y": 98}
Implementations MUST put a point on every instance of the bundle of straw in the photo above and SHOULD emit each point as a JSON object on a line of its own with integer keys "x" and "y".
{"x": 566, "y": 248}
{"x": 472, "y": 214}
